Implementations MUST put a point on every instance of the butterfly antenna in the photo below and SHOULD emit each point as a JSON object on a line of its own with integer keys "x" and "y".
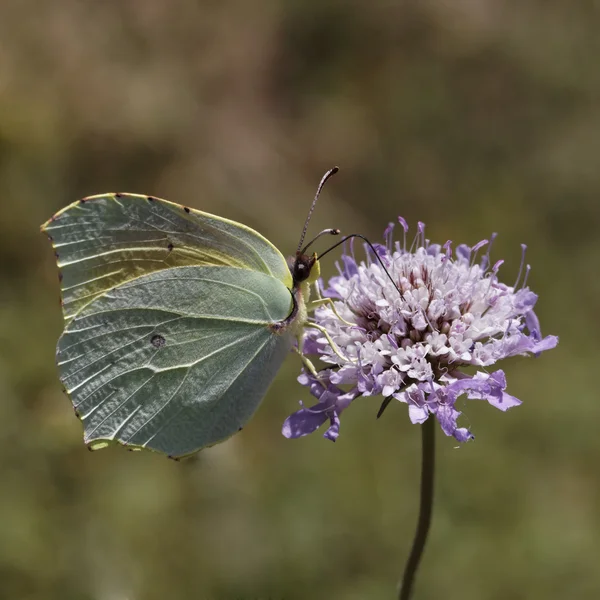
{"x": 362, "y": 237}
{"x": 324, "y": 232}
{"x": 312, "y": 208}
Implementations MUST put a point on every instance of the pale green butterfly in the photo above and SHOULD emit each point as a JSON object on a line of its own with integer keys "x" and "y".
{"x": 176, "y": 320}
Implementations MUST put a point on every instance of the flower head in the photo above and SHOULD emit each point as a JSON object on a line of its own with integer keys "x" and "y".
{"x": 405, "y": 321}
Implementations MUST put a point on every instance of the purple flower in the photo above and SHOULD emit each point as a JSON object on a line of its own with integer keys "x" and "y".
{"x": 406, "y": 333}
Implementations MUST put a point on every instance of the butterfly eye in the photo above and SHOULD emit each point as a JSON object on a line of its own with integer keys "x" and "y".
{"x": 302, "y": 267}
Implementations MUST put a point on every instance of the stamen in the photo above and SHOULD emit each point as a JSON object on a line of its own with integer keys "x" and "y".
{"x": 367, "y": 254}
{"x": 493, "y": 275}
{"x": 476, "y": 249}
{"x": 485, "y": 261}
{"x": 421, "y": 229}
{"x": 405, "y": 227}
{"x": 419, "y": 238}
{"x": 388, "y": 235}
{"x": 527, "y": 270}
{"x": 428, "y": 321}
{"x": 448, "y": 248}
{"x": 523, "y": 249}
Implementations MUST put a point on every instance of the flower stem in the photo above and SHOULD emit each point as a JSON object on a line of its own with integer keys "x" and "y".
{"x": 425, "y": 508}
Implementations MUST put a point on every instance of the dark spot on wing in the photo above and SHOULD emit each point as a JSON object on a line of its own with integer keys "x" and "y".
{"x": 56, "y": 255}
{"x": 77, "y": 413}
{"x": 240, "y": 428}
{"x": 175, "y": 458}
{"x": 151, "y": 198}
{"x": 60, "y": 276}
{"x": 158, "y": 341}
{"x": 83, "y": 201}
{"x": 170, "y": 247}
{"x": 118, "y": 195}
{"x": 187, "y": 210}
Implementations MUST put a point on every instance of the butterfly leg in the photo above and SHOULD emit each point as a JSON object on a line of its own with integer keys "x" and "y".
{"x": 307, "y": 362}
{"x": 330, "y": 341}
{"x": 309, "y": 365}
{"x": 320, "y": 301}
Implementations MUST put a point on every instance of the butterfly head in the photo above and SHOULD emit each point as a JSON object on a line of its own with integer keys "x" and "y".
{"x": 304, "y": 267}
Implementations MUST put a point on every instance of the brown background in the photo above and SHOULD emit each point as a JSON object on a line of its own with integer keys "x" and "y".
{"x": 473, "y": 116}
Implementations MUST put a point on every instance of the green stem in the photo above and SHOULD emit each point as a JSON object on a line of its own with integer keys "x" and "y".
{"x": 425, "y": 508}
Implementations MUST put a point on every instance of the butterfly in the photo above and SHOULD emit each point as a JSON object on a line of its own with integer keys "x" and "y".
{"x": 176, "y": 321}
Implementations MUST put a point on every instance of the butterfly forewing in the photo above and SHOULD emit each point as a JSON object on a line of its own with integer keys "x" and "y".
{"x": 104, "y": 241}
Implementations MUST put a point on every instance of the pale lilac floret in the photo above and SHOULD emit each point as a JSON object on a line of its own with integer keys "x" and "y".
{"x": 406, "y": 334}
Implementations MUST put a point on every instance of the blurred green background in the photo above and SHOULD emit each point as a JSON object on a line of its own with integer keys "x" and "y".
{"x": 473, "y": 116}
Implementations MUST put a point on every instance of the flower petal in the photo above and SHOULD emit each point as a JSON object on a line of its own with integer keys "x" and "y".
{"x": 549, "y": 342}
{"x": 304, "y": 421}
{"x": 333, "y": 431}
{"x": 417, "y": 414}
{"x": 485, "y": 386}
